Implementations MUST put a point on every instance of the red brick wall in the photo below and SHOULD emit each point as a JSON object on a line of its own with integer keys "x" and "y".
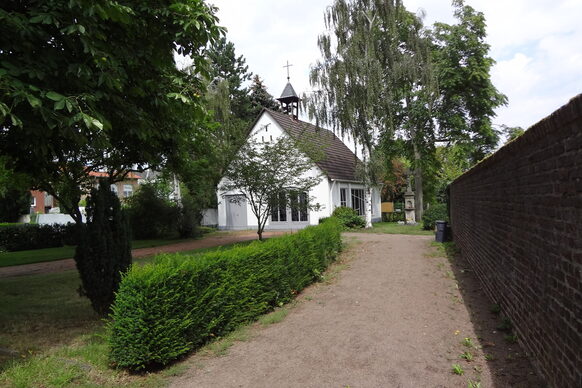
{"x": 517, "y": 218}
{"x": 39, "y": 196}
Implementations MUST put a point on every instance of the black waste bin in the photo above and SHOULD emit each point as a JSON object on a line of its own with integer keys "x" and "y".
{"x": 441, "y": 231}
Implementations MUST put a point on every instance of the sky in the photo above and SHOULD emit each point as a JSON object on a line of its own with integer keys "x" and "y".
{"x": 537, "y": 46}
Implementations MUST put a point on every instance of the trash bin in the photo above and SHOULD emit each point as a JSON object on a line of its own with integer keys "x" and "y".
{"x": 441, "y": 231}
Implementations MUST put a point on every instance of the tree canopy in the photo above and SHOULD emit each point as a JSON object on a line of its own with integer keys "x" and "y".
{"x": 260, "y": 97}
{"x": 230, "y": 70}
{"x": 384, "y": 77}
{"x": 88, "y": 86}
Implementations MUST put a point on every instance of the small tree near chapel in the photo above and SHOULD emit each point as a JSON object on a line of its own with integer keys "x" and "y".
{"x": 271, "y": 175}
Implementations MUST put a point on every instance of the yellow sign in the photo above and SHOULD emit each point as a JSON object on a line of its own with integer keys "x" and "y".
{"x": 387, "y": 207}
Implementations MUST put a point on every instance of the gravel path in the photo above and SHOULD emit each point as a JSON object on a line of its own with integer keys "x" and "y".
{"x": 392, "y": 318}
{"x": 205, "y": 242}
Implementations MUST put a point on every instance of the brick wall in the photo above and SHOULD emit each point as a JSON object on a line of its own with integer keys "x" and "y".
{"x": 517, "y": 218}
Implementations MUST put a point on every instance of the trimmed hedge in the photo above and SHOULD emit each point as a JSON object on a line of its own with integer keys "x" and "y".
{"x": 164, "y": 310}
{"x": 21, "y": 237}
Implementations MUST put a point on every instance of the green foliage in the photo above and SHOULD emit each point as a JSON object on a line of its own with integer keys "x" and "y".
{"x": 14, "y": 193}
{"x": 232, "y": 71}
{"x": 20, "y": 237}
{"x": 104, "y": 250}
{"x": 468, "y": 97}
{"x": 511, "y": 133}
{"x": 151, "y": 213}
{"x": 473, "y": 384}
{"x": 457, "y": 369}
{"x": 165, "y": 310}
{"x": 260, "y": 97}
{"x": 393, "y": 217}
{"x": 436, "y": 212}
{"x": 468, "y": 342}
{"x": 382, "y": 72}
{"x": 348, "y": 217}
{"x": 452, "y": 162}
{"x": 13, "y": 204}
{"x": 189, "y": 217}
{"x": 94, "y": 85}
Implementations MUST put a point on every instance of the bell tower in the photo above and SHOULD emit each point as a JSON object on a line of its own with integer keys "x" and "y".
{"x": 289, "y": 99}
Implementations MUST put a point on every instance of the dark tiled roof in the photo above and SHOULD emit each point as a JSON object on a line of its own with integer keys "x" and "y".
{"x": 288, "y": 92}
{"x": 339, "y": 162}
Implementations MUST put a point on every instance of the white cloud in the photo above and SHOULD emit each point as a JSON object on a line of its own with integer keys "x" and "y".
{"x": 537, "y": 45}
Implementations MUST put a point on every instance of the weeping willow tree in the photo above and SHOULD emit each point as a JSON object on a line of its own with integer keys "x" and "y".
{"x": 375, "y": 82}
{"x": 387, "y": 80}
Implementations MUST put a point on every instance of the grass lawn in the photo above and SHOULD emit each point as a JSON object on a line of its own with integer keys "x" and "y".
{"x": 395, "y": 228}
{"x": 58, "y": 337}
{"x": 50, "y": 254}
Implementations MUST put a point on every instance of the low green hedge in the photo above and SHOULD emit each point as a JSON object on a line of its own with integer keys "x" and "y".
{"x": 348, "y": 217}
{"x": 169, "y": 308}
{"x": 436, "y": 212}
{"x": 21, "y": 237}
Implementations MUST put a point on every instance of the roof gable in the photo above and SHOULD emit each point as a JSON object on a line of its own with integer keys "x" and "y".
{"x": 338, "y": 163}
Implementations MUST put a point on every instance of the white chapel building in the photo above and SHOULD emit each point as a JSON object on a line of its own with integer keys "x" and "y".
{"x": 339, "y": 185}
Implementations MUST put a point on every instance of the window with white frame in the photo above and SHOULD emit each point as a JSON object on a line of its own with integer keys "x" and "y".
{"x": 343, "y": 197}
{"x": 114, "y": 189}
{"x": 294, "y": 203}
{"x": 303, "y": 215}
{"x": 297, "y": 209}
{"x": 282, "y": 207}
{"x": 358, "y": 201}
{"x": 127, "y": 191}
{"x": 279, "y": 208}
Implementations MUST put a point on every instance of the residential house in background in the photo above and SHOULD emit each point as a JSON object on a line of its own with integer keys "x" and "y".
{"x": 43, "y": 203}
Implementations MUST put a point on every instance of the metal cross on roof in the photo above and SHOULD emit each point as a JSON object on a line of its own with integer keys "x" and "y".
{"x": 288, "y": 66}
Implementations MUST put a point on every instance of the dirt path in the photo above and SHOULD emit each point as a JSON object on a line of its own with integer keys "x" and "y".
{"x": 205, "y": 242}
{"x": 392, "y": 318}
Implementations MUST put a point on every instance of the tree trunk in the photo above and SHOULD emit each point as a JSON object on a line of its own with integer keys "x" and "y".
{"x": 418, "y": 186}
{"x": 368, "y": 204}
{"x": 260, "y": 229}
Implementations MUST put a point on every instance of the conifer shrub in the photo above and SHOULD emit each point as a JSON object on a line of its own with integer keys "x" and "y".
{"x": 152, "y": 214}
{"x": 348, "y": 217}
{"x": 104, "y": 250}
{"x": 166, "y": 309}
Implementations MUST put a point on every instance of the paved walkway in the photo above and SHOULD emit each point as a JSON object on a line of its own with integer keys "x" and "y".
{"x": 205, "y": 242}
{"x": 393, "y": 318}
